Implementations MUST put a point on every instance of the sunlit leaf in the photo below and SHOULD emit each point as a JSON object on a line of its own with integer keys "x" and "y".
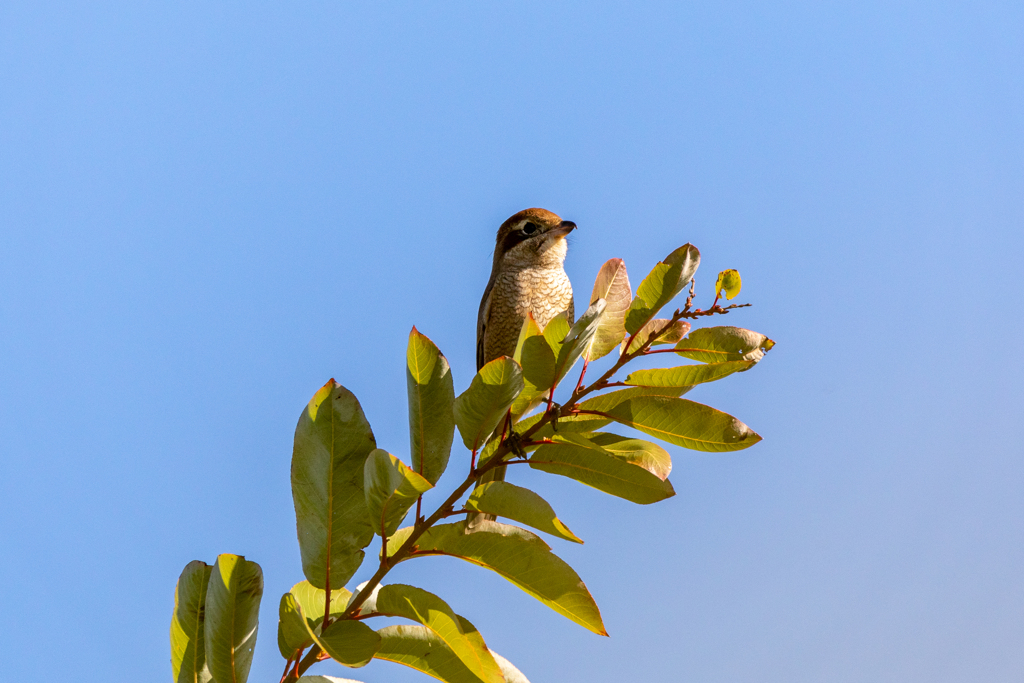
{"x": 508, "y": 670}
{"x": 332, "y": 442}
{"x": 668, "y": 332}
{"x": 325, "y": 679}
{"x": 645, "y": 454}
{"x": 188, "y": 643}
{"x": 684, "y": 423}
{"x": 664, "y": 282}
{"x": 720, "y": 344}
{"x": 423, "y": 650}
{"x": 518, "y": 555}
{"x": 612, "y": 285}
{"x": 520, "y": 505}
{"x": 686, "y": 375}
{"x": 481, "y": 407}
{"x": 232, "y": 617}
{"x": 391, "y": 489}
{"x": 292, "y": 633}
{"x": 347, "y": 641}
{"x": 577, "y": 458}
{"x": 431, "y": 407}
{"x": 537, "y": 359}
{"x": 589, "y": 421}
{"x": 728, "y": 281}
{"x": 398, "y": 600}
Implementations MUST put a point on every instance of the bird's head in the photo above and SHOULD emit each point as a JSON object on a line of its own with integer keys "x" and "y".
{"x": 532, "y": 237}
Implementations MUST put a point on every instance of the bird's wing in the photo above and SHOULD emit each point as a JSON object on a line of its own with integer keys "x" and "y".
{"x": 481, "y": 322}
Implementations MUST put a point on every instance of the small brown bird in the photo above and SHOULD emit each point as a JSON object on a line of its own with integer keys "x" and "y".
{"x": 527, "y": 276}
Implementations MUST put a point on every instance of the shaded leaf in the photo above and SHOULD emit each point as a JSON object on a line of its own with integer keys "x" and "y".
{"x": 520, "y": 505}
{"x": 481, "y": 407}
{"x": 668, "y": 333}
{"x": 232, "y": 617}
{"x": 728, "y": 281}
{"x": 645, "y": 454}
{"x": 188, "y": 643}
{"x": 391, "y": 489}
{"x": 664, "y": 282}
{"x": 332, "y": 441}
{"x": 518, "y": 555}
{"x": 686, "y": 375}
{"x": 398, "y": 600}
{"x": 612, "y": 285}
{"x": 431, "y": 407}
{"x": 577, "y": 458}
{"x": 684, "y": 423}
{"x": 720, "y": 344}
{"x": 292, "y": 633}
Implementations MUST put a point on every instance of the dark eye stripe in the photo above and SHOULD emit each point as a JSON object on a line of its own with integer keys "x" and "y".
{"x": 514, "y": 237}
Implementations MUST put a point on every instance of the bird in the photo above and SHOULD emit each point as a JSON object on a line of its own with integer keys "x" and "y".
{"x": 527, "y": 277}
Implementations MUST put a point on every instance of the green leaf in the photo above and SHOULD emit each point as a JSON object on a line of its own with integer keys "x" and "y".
{"x": 686, "y": 375}
{"x": 520, "y": 505}
{"x": 332, "y": 442}
{"x": 188, "y": 644}
{"x": 578, "y": 338}
{"x": 325, "y": 679}
{"x": 556, "y": 331}
{"x": 391, "y": 489}
{"x": 397, "y": 600}
{"x": 684, "y": 423}
{"x": 645, "y": 454}
{"x": 728, "y": 280}
{"x": 518, "y": 555}
{"x": 585, "y": 422}
{"x": 668, "y": 333}
{"x": 720, "y": 344}
{"x": 232, "y": 617}
{"x": 422, "y": 649}
{"x": 292, "y": 633}
{"x": 577, "y": 458}
{"x": 537, "y": 360}
{"x": 479, "y": 409}
{"x": 612, "y": 285}
{"x": 431, "y": 407}
{"x": 349, "y": 642}
{"x": 664, "y": 282}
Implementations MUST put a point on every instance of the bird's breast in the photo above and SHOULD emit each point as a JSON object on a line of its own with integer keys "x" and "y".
{"x": 544, "y": 292}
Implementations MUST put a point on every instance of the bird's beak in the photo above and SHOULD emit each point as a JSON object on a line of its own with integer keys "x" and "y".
{"x": 564, "y": 228}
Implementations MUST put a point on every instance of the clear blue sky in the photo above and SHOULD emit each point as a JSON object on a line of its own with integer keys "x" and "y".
{"x": 208, "y": 209}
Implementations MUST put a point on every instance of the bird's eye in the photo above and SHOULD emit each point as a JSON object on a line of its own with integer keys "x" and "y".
{"x": 530, "y": 228}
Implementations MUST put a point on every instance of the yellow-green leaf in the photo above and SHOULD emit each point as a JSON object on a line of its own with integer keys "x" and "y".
{"x": 410, "y": 602}
{"x": 684, "y": 423}
{"x": 518, "y": 555}
{"x": 391, "y": 488}
{"x": 537, "y": 360}
{"x": 188, "y": 642}
{"x": 520, "y": 505}
{"x": 347, "y": 641}
{"x": 232, "y": 617}
{"x": 728, "y": 281}
{"x": 588, "y": 463}
{"x": 332, "y": 441}
{"x": 431, "y": 407}
{"x": 481, "y": 407}
{"x": 578, "y": 338}
{"x": 292, "y": 633}
{"x": 645, "y": 454}
{"x": 720, "y": 344}
{"x": 664, "y": 282}
{"x": 422, "y": 649}
{"x": 686, "y": 375}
